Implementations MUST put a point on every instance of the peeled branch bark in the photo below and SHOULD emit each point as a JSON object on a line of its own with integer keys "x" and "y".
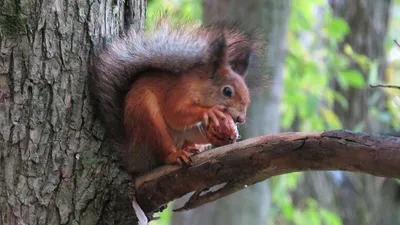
{"x": 239, "y": 165}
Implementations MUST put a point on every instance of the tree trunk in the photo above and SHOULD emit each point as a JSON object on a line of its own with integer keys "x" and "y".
{"x": 359, "y": 198}
{"x": 368, "y": 21}
{"x": 54, "y": 167}
{"x": 249, "y": 206}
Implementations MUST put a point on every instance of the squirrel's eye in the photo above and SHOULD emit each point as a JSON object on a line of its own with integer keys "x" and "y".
{"x": 227, "y": 91}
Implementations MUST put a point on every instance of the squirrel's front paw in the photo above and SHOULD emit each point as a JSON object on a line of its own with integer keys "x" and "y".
{"x": 225, "y": 133}
{"x": 181, "y": 157}
{"x": 213, "y": 113}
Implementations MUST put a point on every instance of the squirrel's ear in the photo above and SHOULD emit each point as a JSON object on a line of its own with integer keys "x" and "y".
{"x": 217, "y": 54}
{"x": 241, "y": 63}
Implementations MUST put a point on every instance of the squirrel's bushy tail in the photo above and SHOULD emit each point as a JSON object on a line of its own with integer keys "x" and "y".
{"x": 172, "y": 48}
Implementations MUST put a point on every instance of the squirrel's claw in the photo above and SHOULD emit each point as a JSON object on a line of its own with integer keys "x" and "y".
{"x": 219, "y": 111}
{"x": 212, "y": 114}
{"x": 213, "y": 117}
{"x": 205, "y": 119}
{"x": 192, "y": 150}
{"x": 190, "y": 147}
{"x": 181, "y": 157}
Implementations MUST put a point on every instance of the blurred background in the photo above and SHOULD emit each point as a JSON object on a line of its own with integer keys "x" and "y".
{"x": 321, "y": 57}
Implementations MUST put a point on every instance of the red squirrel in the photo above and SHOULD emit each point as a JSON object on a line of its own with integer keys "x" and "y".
{"x": 157, "y": 91}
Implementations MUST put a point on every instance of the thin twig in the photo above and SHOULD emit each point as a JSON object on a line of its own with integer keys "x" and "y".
{"x": 397, "y": 43}
{"x": 384, "y": 86}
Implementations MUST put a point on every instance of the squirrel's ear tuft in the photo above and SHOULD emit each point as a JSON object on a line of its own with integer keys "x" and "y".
{"x": 217, "y": 53}
{"x": 241, "y": 63}
{"x": 218, "y": 47}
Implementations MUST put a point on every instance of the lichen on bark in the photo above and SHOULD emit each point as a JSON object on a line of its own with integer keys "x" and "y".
{"x": 12, "y": 20}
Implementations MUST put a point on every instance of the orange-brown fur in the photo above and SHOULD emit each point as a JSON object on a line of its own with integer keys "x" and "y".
{"x": 156, "y": 93}
{"x": 160, "y": 109}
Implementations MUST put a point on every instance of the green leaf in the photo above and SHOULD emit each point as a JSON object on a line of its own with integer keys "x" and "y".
{"x": 331, "y": 118}
{"x": 311, "y": 104}
{"x": 288, "y": 210}
{"x": 347, "y": 49}
{"x": 165, "y": 216}
{"x": 359, "y": 127}
{"x": 353, "y": 78}
{"x": 288, "y": 116}
{"x": 341, "y": 100}
{"x": 330, "y": 218}
{"x": 312, "y": 212}
{"x": 337, "y": 28}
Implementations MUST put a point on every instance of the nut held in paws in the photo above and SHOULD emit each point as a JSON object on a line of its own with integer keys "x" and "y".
{"x": 226, "y": 133}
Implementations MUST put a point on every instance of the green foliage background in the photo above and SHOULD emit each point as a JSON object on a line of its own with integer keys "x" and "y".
{"x": 312, "y": 63}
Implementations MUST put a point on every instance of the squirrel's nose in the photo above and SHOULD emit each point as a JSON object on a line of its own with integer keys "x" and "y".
{"x": 240, "y": 119}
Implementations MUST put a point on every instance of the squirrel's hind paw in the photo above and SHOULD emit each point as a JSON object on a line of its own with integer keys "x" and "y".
{"x": 181, "y": 157}
{"x": 191, "y": 148}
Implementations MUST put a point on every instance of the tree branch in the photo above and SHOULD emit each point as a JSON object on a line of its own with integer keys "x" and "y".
{"x": 245, "y": 163}
{"x": 384, "y": 86}
{"x": 397, "y": 43}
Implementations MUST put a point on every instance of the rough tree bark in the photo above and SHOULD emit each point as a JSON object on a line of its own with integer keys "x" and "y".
{"x": 249, "y": 206}
{"x": 348, "y": 193}
{"x": 234, "y": 167}
{"x": 54, "y": 168}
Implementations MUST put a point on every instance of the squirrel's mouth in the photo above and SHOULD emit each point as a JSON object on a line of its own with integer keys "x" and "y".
{"x": 237, "y": 116}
